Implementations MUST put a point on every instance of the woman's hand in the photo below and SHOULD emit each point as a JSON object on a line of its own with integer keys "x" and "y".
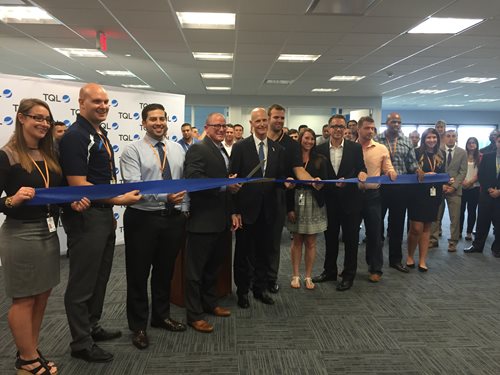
{"x": 25, "y": 193}
{"x": 81, "y": 205}
{"x": 289, "y": 185}
{"x": 292, "y": 217}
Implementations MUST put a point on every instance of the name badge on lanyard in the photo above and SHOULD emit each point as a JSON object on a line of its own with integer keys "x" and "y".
{"x": 432, "y": 191}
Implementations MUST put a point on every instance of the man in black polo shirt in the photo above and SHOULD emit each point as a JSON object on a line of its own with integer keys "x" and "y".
{"x": 293, "y": 168}
{"x": 87, "y": 158}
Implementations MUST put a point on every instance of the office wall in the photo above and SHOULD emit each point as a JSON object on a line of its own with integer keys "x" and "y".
{"x": 451, "y": 117}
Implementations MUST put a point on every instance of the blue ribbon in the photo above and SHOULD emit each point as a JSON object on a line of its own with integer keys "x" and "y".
{"x": 67, "y": 194}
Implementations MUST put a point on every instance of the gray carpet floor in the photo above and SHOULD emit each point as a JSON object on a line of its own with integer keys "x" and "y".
{"x": 446, "y": 321}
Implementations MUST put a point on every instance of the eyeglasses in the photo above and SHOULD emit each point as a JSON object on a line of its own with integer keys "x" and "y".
{"x": 218, "y": 126}
{"x": 39, "y": 118}
{"x": 395, "y": 122}
{"x": 337, "y": 127}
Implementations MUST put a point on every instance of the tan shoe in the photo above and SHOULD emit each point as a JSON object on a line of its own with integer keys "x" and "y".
{"x": 295, "y": 283}
{"x": 452, "y": 248}
{"x": 221, "y": 311}
{"x": 309, "y": 283}
{"x": 374, "y": 277}
{"x": 202, "y": 326}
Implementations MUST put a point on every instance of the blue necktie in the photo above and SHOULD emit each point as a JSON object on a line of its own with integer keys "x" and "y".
{"x": 166, "y": 173}
{"x": 261, "y": 156}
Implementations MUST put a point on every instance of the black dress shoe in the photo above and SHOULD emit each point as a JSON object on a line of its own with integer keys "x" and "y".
{"x": 344, "y": 285}
{"x": 274, "y": 288}
{"x": 324, "y": 277}
{"x": 169, "y": 325}
{"x": 243, "y": 301}
{"x": 399, "y": 267}
{"x": 472, "y": 249}
{"x": 140, "y": 339}
{"x": 100, "y": 334}
{"x": 264, "y": 298}
{"x": 94, "y": 354}
{"x": 422, "y": 269}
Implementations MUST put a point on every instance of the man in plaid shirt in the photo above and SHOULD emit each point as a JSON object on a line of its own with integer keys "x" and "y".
{"x": 395, "y": 197}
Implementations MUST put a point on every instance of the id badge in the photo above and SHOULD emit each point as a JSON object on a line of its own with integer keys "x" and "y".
{"x": 302, "y": 200}
{"x": 51, "y": 225}
{"x": 112, "y": 182}
{"x": 433, "y": 191}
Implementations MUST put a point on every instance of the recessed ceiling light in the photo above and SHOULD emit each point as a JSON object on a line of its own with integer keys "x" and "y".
{"x": 319, "y": 89}
{"x": 26, "y": 14}
{"x": 483, "y": 100}
{"x": 452, "y": 105}
{"x": 59, "y": 76}
{"x": 278, "y": 81}
{"x": 347, "y": 78}
{"x": 136, "y": 86}
{"x": 128, "y": 55}
{"x": 80, "y": 52}
{"x": 218, "y": 88}
{"x": 473, "y": 80}
{"x": 213, "y": 56}
{"x": 438, "y": 25}
{"x": 297, "y": 58}
{"x": 216, "y": 76}
{"x": 203, "y": 20}
{"x": 116, "y": 73}
{"x": 428, "y": 92}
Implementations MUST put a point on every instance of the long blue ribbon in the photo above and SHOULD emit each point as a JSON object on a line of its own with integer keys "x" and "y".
{"x": 95, "y": 192}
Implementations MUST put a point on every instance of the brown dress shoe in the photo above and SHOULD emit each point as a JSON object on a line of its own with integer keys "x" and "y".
{"x": 202, "y": 326}
{"x": 374, "y": 277}
{"x": 140, "y": 339}
{"x": 221, "y": 311}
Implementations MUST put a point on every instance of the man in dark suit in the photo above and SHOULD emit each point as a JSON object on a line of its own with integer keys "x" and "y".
{"x": 255, "y": 208}
{"x": 208, "y": 225}
{"x": 489, "y": 202}
{"x": 343, "y": 203}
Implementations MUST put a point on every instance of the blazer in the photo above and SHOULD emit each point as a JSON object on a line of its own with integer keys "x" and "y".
{"x": 487, "y": 172}
{"x": 347, "y": 198}
{"x": 210, "y": 210}
{"x": 457, "y": 168}
{"x": 254, "y": 197}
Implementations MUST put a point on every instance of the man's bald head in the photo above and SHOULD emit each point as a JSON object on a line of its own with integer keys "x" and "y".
{"x": 94, "y": 103}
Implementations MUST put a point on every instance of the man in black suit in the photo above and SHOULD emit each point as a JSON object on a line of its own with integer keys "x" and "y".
{"x": 343, "y": 203}
{"x": 208, "y": 225}
{"x": 489, "y": 202}
{"x": 255, "y": 208}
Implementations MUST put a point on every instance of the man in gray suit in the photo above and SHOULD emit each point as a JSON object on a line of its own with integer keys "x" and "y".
{"x": 456, "y": 167}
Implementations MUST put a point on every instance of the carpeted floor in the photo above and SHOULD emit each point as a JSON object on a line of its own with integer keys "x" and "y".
{"x": 443, "y": 322}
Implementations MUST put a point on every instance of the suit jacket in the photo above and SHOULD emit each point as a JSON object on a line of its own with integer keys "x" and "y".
{"x": 457, "y": 168}
{"x": 347, "y": 198}
{"x": 254, "y": 197}
{"x": 487, "y": 172}
{"x": 210, "y": 210}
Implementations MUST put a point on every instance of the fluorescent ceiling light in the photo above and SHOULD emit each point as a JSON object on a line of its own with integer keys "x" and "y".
{"x": 136, "y": 86}
{"x": 437, "y": 25}
{"x": 452, "y": 105}
{"x": 80, "y": 52}
{"x": 473, "y": 80}
{"x": 203, "y": 20}
{"x": 218, "y": 88}
{"x": 319, "y": 89}
{"x": 116, "y": 73}
{"x": 216, "y": 76}
{"x": 483, "y": 100}
{"x": 297, "y": 58}
{"x": 428, "y": 92}
{"x": 59, "y": 76}
{"x": 278, "y": 81}
{"x": 26, "y": 14}
{"x": 347, "y": 78}
{"x": 213, "y": 56}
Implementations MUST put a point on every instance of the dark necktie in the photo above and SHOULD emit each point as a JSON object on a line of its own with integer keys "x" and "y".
{"x": 448, "y": 159}
{"x": 166, "y": 173}
{"x": 224, "y": 155}
{"x": 261, "y": 156}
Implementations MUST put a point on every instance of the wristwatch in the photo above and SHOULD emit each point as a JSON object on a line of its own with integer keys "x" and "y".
{"x": 8, "y": 202}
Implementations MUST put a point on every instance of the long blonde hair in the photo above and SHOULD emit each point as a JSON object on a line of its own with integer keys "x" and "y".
{"x": 17, "y": 143}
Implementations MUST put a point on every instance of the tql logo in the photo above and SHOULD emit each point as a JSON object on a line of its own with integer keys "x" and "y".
{"x": 56, "y": 98}
{"x": 7, "y": 93}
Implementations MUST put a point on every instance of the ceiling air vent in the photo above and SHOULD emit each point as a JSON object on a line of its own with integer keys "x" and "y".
{"x": 340, "y": 7}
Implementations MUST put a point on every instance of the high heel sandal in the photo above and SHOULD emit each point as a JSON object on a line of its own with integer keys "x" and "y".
{"x": 43, "y": 366}
{"x": 295, "y": 284}
{"x": 49, "y": 363}
{"x": 309, "y": 283}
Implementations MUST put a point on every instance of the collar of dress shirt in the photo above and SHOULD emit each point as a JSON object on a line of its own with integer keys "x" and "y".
{"x": 258, "y": 140}
{"x": 340, "y": 146}
{"x": 452, "y": 148}
{"x": 154, "y": 141}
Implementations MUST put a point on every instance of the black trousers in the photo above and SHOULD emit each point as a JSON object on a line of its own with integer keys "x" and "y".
{"x": 91, "y": 245}
{"x": 254, "y": 242}
{"x": 372, "y": 216}
{"x": 395, "y": 200}
{"x": 349, "y": 222}
{"x": 279, "y": 222}
{"x": 488, "y": 212}
{"x": 152, "y": 242}
{"x": 470, "y": 200}
{"x": 204, "y": 257}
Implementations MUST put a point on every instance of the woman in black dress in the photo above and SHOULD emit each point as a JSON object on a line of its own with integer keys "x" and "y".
{"x": 425, "y": 199}
{"x": 29, "y": 247}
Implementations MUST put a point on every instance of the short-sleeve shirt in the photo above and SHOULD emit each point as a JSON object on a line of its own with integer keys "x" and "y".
{"x": 82, "y": 152}
{"x": 293, "y": 157}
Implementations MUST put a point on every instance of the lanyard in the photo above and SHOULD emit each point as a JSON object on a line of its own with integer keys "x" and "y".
{"x": 164, "y": 163}
{"x": 110, "y": 155}
{"x": 45, "y": 177}
{"x": 433, "y": 166}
